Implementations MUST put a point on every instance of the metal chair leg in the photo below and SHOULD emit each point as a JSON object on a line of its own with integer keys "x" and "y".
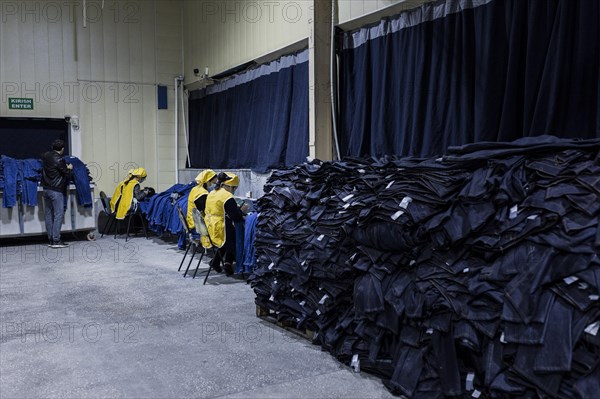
{"x": 198, "y": 265}
{"x": 184, "y": 255}
{"x": 191, "y": 259}
{"x": 128, "y": 226}
{"x": 111, "y": 220}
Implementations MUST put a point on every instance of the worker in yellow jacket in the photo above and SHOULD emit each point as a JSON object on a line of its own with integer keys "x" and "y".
{"x": 221, "y": 213}
{"x": 128, "y": 193}
{"x": 197, "y": 197}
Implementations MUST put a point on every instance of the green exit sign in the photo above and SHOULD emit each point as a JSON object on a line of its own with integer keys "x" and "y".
{"x": 20, "y": 103}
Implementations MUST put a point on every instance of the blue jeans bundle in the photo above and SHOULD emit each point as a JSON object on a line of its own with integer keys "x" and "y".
{"x": 477, "y": 273}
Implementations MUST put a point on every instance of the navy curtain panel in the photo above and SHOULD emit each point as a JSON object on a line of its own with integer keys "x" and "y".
{"x": 462, "y": 71}
{"x": 256, "y": 120}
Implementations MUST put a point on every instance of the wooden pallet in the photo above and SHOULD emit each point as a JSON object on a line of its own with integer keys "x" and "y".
{"x": 288, "y": 325}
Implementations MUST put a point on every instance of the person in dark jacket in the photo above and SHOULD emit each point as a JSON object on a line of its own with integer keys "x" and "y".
{"x": 55, "y": 176}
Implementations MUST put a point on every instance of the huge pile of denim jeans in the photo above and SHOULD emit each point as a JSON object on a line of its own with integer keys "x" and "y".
{"x": 475, "y": 274}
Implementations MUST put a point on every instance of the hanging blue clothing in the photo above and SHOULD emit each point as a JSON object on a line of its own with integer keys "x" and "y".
{"x": 31, "y": 174}
{"x": 10, "y": 166}
{"x": 249, "y": 249}
{"x": 80, "y": 178}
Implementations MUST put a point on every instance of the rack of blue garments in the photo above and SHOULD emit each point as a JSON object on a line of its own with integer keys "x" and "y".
{"x": 22, "y": 209}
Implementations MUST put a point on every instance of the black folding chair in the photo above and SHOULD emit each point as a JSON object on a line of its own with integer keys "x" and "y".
{"x": 203, "y": 231}
{"x": 136, "y": 213}
{"x": 111, "y": 215}
{"x": 192, "y": 242}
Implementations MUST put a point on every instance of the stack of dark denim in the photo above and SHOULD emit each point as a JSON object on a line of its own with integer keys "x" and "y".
{"x": 473, "y": 274}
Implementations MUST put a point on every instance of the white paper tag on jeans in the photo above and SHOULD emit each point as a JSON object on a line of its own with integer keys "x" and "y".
{"x": 476, "y": 394}
{"x": 502, "y": 338}
{"x": 348, "y": 197}
{"x": 469, "y": 381}
{"x": 272, "y": 298}
{"x": 322, "y": 301}
{"x": 361, "y": 171}
{"x": 405, "y": 202}
{"x": 592, "y": 329}
{"x": 570, "y": 280}
{"x": 302, "y": 303}
{"x": 396, "y": 215}
{"x": 320, "y": 238}
{"x": 271, "y": 266}
{"x": 318, "y": 312}
{"x": 594, "y": 297}
{"x": 303, "y": 263}
{"x": 390, "y": 184}
{"x": 514, "y": 212}
{"x": 346, "y": 206}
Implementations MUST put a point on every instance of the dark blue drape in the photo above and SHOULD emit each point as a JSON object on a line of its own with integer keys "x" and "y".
{"x": 455, "y": 72}
{"x": 260, "y": 123}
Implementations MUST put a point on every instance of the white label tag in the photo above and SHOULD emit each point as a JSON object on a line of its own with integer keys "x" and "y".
{"x": 592, "y": 329}
{"x": 274, "y": 282}
{"x": 466, "y": 270}
{"x": 390, "y": 184}
{"x": 302, "y": 303}
{"x": 320, "y": 238}
{"x": 532, "y": 217}
{"x": 272, "y": 299}
{"x": 303, "y": 263}
{"x": 361, "y": 171}
{"x": 412, "y": 262}
{"x": 514, "y": 211}
{"x": 502, "y": 338}
{"x": 476, "y": 394}
{"x": 278, "y": 246}
{"x": 348, "y": 198}
{"x": 469, "y": 381}
{"x": 271, "y": 266}
{"x": 346, "y": 206}
{"x": 318, "y": 312}
{"x": 322, "y": 301}
{"x": 429, "y": 331}
{"x": 405, "y": 202}
{"x": 396, "y": 215}
{"x": 582, "y": 285}
{"x": 594, "y": 297}
{"x": 570, "y": 280}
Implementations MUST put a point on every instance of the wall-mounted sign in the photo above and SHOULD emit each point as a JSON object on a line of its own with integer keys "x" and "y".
{"x": 20, "y": 103}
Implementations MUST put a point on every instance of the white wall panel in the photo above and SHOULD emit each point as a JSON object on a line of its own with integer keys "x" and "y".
{"x": 222, "y": 34}
{"x": 106, "y": 73}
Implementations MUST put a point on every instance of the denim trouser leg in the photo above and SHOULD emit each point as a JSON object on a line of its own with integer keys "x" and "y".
{"x": 54, "y": 212}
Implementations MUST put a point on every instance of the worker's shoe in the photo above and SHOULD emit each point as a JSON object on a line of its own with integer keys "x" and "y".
{"x": 216, "y": 266}
{"x": 228, "y": 267}
{"x": 59, "y": 244}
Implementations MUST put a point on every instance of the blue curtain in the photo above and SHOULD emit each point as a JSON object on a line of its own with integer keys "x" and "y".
{"x": 461, "y": 71}
{"x": 256, "y": 120}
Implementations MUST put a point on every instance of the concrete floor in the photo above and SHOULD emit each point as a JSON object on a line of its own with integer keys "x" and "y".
{"x": 109, "y": 319}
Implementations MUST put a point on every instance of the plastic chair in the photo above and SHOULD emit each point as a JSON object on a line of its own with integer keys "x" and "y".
{"x": 192, "y": 241}
{"x": 130, "y": 216}
{"x": 203, "y": 231}
{"x": 111, "y": 215}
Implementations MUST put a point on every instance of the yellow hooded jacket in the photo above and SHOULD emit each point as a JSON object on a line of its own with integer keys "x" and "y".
{"x": 126, "y": 197}
{"x": 197, "y": 192}
{"x": 215, "y": 215}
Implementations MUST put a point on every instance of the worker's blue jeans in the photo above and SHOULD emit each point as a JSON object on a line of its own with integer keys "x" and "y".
{"x": 54, "y": 212}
